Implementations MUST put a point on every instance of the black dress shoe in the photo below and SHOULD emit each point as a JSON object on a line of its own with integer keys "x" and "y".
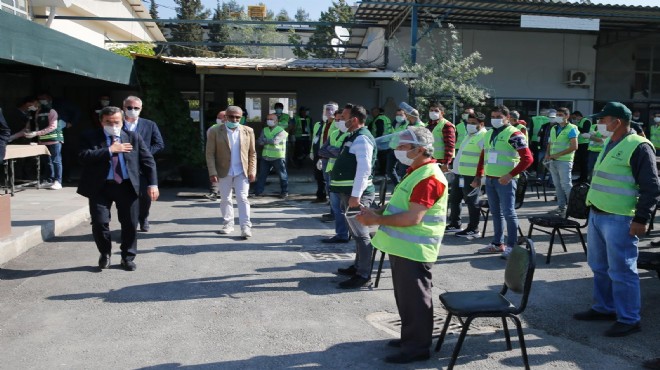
{"x": 319, "y": 200}
{"x": 327, "y": 218}
{"x": 620, "y": 329}
{"x": 593, "y": 315}
{"x": 128, "y": 265}
{"x": 355, "y": 282}
{"x": 348, "y": 271}
{"x": 104, "y": 261}
{"x": 334, "y": 239}
{"x": 394, "y": 343}
{"x": 402, "y": 358}
{"x": 144, "y": 226}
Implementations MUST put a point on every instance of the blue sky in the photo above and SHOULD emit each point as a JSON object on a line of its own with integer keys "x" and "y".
{"x": 313, "y": 7}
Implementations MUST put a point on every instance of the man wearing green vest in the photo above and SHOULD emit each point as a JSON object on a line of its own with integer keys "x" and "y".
{"x": 380, "y": 125}
{"x": 302, "y": 128}
{"x": 273, "y": 138}
{"x": 582, "y": 154}
{"x": 596, "y": 140}
{"x": 444, "y": 136}
{"x": 504, "y": 157}
{"x": 465, "y": 168}
{"x": 562, "y": 145}
{"x": 351, "y": 178}
{"x": 535, "y": 139}
{"x": 624, "y": 191}
{"x": 391, "y": 172}
{"x": 461, "y": 129}
{"x": 411, "y": 228}
{"x": 655, "y": 133}
{"x": 319, "y": 136}
{"x": 49, "y": 133}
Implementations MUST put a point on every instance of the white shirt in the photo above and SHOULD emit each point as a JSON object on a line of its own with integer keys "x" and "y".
{"x": 130, "y": 126}
{"x": 463, "y": 144}
{"x": 363, "y": 150}
{"x": 235, "y": 166}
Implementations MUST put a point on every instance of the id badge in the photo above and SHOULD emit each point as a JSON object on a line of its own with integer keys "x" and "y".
{"x": 492, "y": 157}
{"x": 461, "y": 182}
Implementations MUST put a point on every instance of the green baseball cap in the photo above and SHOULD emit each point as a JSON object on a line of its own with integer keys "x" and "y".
{"x": 614, "y": 109}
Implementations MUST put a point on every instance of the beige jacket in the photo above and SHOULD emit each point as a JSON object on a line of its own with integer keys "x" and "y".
{"x": 218, "y": 154}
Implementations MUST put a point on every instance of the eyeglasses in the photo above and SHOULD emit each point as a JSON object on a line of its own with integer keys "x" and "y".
{"x": 133, "y": 108}
{"x": 233, "y": 117}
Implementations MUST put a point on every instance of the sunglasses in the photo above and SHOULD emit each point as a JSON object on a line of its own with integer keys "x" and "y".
{"x": 234, "y": 117}
{"x": 133, "y": 108}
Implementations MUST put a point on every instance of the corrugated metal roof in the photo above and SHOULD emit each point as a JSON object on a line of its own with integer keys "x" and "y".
{"x": 507, "y": 12}
{"x": 275, "y": 64}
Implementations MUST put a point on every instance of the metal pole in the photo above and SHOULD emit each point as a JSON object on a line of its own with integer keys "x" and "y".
{"x": 201, "y": 111}
{"x": 413, "y": 34}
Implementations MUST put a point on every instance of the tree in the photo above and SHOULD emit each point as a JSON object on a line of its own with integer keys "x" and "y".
{"x": 189, "y": 32}
{"x": 153, "y": 9}
{"x": 316, "y": 47}
{"x": 302, "y": 15}
{"x": 446, "y": 75}
{"x": 283, "y": 16}
{"x": 298, "y": 49}
{"x": 223, "y": 32}
{"x": 137, "y": 48}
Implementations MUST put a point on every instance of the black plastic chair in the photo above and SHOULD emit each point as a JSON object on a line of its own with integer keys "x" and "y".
{"x": 484, "y": 207}
{"x": 541, "y": 182}
{"x": 577, "y": 209}
{"x": 518, "y": 277}
{"x": 382, "y": 193}
{"x": 655, "y": 211}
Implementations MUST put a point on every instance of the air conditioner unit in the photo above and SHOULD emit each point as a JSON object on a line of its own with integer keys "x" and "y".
{"x": 578, "y": 77}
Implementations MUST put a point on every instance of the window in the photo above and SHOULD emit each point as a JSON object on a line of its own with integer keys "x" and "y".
{"x": 646, "y": 84}
{"x": 16, "y": 7}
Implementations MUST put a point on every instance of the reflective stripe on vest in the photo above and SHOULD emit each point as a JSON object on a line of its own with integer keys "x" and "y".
{"x": 470, "y": 153}
{"x": 274, "y": 150}
{"x": 420, "y": 242}
{"x": 613, "y": 188}
{"x": 299, "y": 125}
{"x": 561, "y": 142}
{"x": 506, "y": 157}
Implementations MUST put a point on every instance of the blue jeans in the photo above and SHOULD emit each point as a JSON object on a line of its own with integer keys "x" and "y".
{"x": 55, "y": 162}
{"x": 341, "y": 228}
{"x": 501, "y": 200}
{"x": 561, "y": 177}
{"x": 612, "y": 255}
{"x": 264, "y": 170}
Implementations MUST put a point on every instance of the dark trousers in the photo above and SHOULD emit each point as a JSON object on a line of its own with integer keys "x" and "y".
{"x": 412, "y": 291}
{"x": 535, "y": 148}
{"x": 456, "y": 195}
{"x": 125, "y": 199}
{"x": 302, "y": 149}
{"x": 320, "y": 182}
{"x": 581, "y": 161}
{"x": 363, "y": 247}
{"x": 145, "y": 200}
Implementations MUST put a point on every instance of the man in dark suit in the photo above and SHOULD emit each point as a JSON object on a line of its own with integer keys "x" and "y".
{"x": 150, "y": 134}
{"x": 112, "y": 161}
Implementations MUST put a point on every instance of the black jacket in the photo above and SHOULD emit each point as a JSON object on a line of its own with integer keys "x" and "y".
{"x": 150, "y": 133}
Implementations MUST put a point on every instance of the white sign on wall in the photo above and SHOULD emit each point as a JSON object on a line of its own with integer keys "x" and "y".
{"x": 559, "y": 23}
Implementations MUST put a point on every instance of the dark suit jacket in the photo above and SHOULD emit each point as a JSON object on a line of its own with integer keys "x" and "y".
{"x": 95, "y": 158}
{"x": 4, "y": 135}
{"x": 150, "y": 133}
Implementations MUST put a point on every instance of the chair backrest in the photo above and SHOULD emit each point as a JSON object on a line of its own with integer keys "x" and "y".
{"x": 520, "y": 190}
{"x": 382, "y": 193}
{"x": 519, "y": 272}
{"x": 577, "y": 202}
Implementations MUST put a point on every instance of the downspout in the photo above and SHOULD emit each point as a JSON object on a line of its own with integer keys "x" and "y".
{"x": 51, "y": 16}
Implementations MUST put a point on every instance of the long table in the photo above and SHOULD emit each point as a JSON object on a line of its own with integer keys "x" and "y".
{"x": 21, "y": 151}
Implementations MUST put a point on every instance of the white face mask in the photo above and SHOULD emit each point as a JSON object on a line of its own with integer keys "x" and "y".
{"x": 219, "y": 121}
{"x": 341, "y": 125}
{"x": 559, "y": 119}
{"x": 402, "y": 156}
{"x": 656, "y": 119}
{"x": 434, "y": 116}
{"x": 497, "y": 122}
{"x": 105, "y": 103}
{"x": 32, "y": 108}
{"x": 602, "y": 129}
{"x": 132, "y": 113}
{"x": 465, "y": 116}
{"x": 270, "y": 123}
{"x": 400, "y": 119}
{"x": 112, "y": 131}
{"x": 471, "y": 128}
{"x": 325, "y": 118}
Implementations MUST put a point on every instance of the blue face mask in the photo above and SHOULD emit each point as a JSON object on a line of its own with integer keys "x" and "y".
{"x": 231, "y": 124}
{"x": 278, "y": 110}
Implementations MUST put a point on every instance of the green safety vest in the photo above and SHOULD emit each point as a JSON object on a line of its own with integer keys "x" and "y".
{"x": 283, "y": 121}
{"x": 580, "y": 125}
{"x": 387, "y": 125}
{"x": 317, "y": 134}
{"x": 613, "y": 188}
{"x": 420, "y": 242}
{"x": 520, "y": 128}
{"x": 499, "y": 156}
{"x": 561, "y": 142}
{"x": 655, "y": 136}
{"x": 461, "y": 132}
{"x": 469, "y": 158}
{"x": 343, "y": 173}
{"x": 438, "y": 142}
{"x": 299, "y": 125}
{"x": 594, "y": 146}
{"x": 538, "y": 123}
{"x": 55, "y": 135}
{"x": 404, "y": 125}
{"x": 335, "y": 139}
{"x": 274, "y": 150}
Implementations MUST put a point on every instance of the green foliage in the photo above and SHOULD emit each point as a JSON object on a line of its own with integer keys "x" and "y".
{"x": 139, "y": 48}
{"x": 301, "y": 15}
{"x": 153, "y": 9}
{"x": 164, "y": 105}
{"x": 189, "y": 32}
{"x": 283, "y": 16}
{"x": 340, "y": 11}
{"x": 298, "y": 49}
{"x": 446, "y": 75}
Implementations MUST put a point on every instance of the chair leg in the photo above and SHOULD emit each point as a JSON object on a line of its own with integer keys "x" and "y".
{"x": 441, "y": 339}
{"x": 520, "y": 230}
{"x": 561, "y": 239}
{"x": 459, "y": 344}
{"x": 373, "y": 258}
{"x": 483, "y": 233}
{"x": 529, "y": 233}
{"x": 521, "y": 339}
{"x": 506, "y": 333}
{"x": 552, "y": 240}
{"x": 380, "y": 268}
{"x": 584, "y": 245}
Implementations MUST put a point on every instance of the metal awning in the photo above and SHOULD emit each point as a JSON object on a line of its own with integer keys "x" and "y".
{"x": 507, "y": 12}
{"x": 26, "y": 42}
